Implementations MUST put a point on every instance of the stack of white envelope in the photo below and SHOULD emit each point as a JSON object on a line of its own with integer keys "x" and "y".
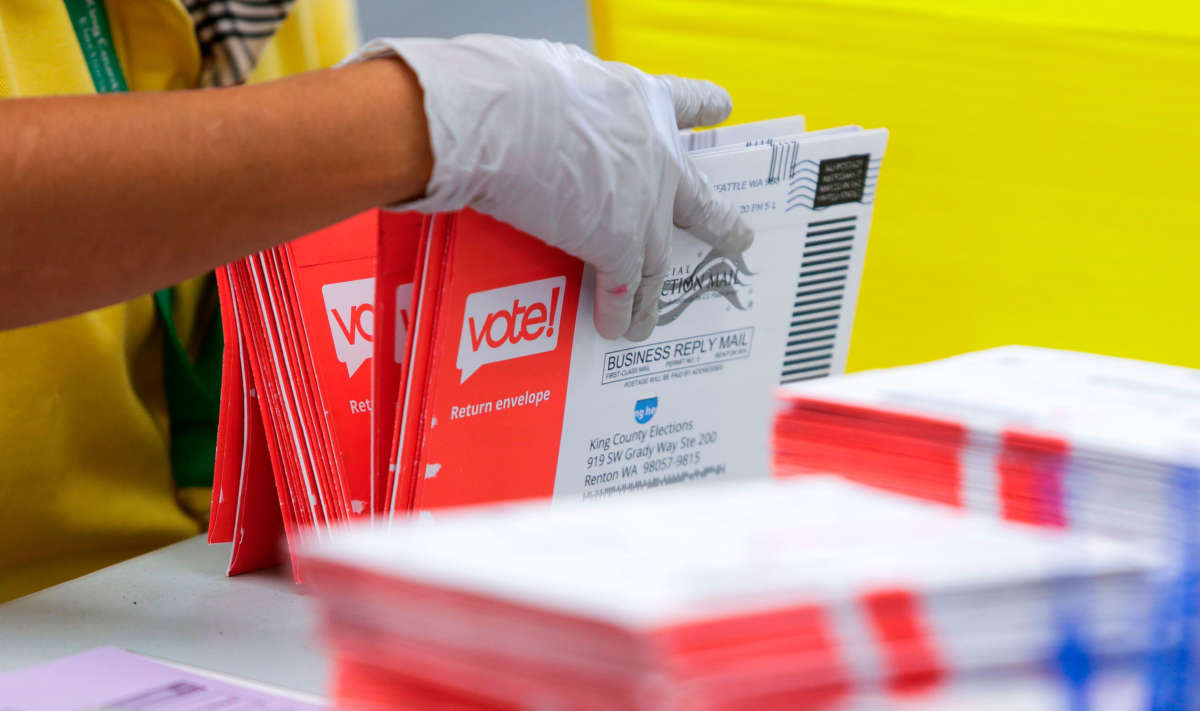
{"x": 813, "y": 593}
{"x": 1049, "y": 437}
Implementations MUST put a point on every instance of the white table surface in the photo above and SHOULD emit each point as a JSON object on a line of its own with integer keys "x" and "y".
{"x": 175, "y": 604}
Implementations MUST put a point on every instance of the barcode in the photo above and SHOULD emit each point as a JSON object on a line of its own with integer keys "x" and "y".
{"x": 820, "y": 289}
{"x": 699, "y": 140}
{"x": 783, "y": 156}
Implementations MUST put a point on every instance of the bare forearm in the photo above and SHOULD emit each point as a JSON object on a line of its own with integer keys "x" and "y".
{"x": 105, "y": 198}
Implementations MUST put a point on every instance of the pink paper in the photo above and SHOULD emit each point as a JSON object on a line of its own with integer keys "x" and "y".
{"x": 111, "y": 679}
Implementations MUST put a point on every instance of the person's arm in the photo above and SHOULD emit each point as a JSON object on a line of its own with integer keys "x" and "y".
{"x": 104, "y": 198}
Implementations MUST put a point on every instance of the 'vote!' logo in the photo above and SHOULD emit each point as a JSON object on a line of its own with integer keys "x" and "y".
{"x": 351, "y": 311}
{"x": 510, "y": 322}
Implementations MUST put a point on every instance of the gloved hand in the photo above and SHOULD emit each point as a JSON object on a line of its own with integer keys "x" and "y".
{"x": 580, "y": 152}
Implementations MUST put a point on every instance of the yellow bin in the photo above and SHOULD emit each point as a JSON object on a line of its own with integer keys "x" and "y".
{"x": 1042, "y": 181}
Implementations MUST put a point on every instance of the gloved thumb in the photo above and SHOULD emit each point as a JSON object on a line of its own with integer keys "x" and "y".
{"x": 706, "y": 217}
{"x": 697, "y": 102}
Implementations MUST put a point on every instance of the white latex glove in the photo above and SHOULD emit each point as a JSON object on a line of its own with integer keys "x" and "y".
{"x": 580, "y": 152}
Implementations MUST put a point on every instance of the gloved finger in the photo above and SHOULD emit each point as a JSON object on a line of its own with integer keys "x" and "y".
{"x": 645, "y": 307}
{"x": 615, "y": 291}
{"x": 697, "y": 102}
{"x": 702, "y": 213}
{"x": 654, "y": 273}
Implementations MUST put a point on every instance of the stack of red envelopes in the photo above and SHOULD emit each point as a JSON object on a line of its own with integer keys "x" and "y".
{"x": 398, "y": 363}
{"x": 293, "y": 453}
{"x": 1055, "y": 438}
{"x": 791, "y": 595}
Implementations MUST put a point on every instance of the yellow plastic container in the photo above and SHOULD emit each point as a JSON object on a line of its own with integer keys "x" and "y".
{"x": 1042, "y": 180}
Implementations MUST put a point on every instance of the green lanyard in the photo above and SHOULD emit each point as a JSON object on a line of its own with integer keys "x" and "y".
{"x": 90, "y": 20}
{"x": 193, "y": 387}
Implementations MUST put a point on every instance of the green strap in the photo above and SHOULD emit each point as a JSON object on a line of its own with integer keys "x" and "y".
{"x": 90, "y": 20}
{"x": 193, "y": 388}
{"x": 193, "y": 394}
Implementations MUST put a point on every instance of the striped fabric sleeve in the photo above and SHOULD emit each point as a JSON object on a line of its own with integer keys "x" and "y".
{"x": 232, "y": 35}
